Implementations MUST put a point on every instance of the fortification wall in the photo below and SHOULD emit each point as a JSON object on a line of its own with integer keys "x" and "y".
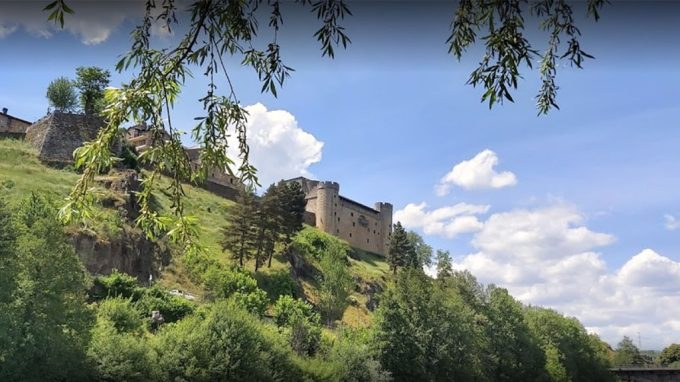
{"x": 57, "y": 135}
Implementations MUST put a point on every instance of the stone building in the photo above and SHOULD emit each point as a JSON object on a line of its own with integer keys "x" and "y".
{"x": 218, "y": 181}
{"x": 141, "y": 138}
{"x": 58, "y": 134}
{"x": 12, "y": 127}
{"x": 361, "y": 226}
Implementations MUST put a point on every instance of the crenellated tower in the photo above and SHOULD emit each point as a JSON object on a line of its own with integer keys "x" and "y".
{"x": 327, "y": 194}
{"x": 386, "y": 211}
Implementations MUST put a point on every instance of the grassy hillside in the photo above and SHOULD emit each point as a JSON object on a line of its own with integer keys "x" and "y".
{"x": 22, "y": 173}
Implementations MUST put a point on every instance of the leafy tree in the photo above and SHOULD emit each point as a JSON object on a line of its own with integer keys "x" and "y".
{"x": 515, "y": 355}
{"x": 423, "y": 250}
{"x": 670, "y": 355}
{"x": 122, "y": 315}
{"x": 62, "y": 95}
{"x": 571, "y": 353}
{"x": 216, "y": 29}
{"x": 50, "y": 321}
{"x": 335, "y": 283}
{"x": 444, "y": 267}
{"x": 301, "y": 323}
{"x": 91, "y": 82}
{"x": 425, "y": 333}
{"x": 401, "y": 252}
{"x": 240, "y": 233}
{"x": 119, "y": 355}
{"x": 238, "y": 286}
{"x": 269, "y": 225}
{"x": 356, "y": 362}
{"x": 627, "y": 354}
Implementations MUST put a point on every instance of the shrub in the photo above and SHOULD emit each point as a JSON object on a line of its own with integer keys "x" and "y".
{"x": 300, "y": 323}
{"x": 117, "y": 356}
{"x": 278, "y": 283}
{"x": 122, "y": 315}
{"x": 173, "y": 308}
{"x": 117, "y": 284}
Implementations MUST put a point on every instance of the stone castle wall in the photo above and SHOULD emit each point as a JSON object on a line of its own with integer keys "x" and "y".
{"x": 58, "y": 134}
{"x": 361, "y": 226}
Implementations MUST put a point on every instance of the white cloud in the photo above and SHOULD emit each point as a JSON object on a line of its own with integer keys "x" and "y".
{"x": 279, "y": 148}
{"x": 448, "y": 221}
{"x": 93, "y": 21}
{"x": 547, "y": 256}
{"x": 476, "y": 173}
{"x": 671, "y": 222}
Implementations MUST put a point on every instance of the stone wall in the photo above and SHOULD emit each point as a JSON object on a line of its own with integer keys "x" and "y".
{"x": 12, "y": 127}
{"x": 58, "y": 134}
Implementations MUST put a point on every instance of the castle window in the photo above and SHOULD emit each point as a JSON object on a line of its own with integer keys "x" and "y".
{"x": 335, "y": 213}
{"x": 374, "y": 232}
{"x": 350, "y": 235}
{"x": 351, "y": 213}
{"x": 368, "y": 241}
{"x": 336, "y": 204}
{"x": 337, "y": 231}
{"x": 338, "y": 219}
{"x": 353, "y": 224}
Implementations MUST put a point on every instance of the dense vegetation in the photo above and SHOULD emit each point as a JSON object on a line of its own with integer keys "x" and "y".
{"x": 322, "y": 312}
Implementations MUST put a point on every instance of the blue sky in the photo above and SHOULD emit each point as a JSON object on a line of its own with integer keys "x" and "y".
{"x": 596, "y": 183}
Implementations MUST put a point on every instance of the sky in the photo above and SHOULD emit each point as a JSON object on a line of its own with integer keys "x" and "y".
{"x": 578, "y": 210}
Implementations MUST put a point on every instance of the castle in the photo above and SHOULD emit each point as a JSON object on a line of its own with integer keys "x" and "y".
{"x": 363, "y": 227}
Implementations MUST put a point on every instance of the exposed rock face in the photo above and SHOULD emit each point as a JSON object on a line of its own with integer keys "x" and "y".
{"x": 58, "y": 134}
{"x": 124, "y": 184}
{"x": 371, "y": 290}
{"x": 131, "y": 253}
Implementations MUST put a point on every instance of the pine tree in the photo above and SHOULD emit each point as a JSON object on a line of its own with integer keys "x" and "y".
{"x": 401, "y": 254}
{"x": 239, "y": 234}
{"x": 292, "y": 208}
{"x": 269, "y": 224}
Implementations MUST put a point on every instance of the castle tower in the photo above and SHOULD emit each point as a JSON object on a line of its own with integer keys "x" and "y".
{"x": 385, "y": 210}
{"x": 326, "y": 206}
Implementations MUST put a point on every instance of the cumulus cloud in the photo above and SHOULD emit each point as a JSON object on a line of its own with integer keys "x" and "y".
{"x": 93, "y": 21}
{"x": 671, "y": 222}
{"x": 476, "y": 173}
{"x": 449, "y": 221}
{"x": 279, "y": 148}
{"x": 549, "y": 257}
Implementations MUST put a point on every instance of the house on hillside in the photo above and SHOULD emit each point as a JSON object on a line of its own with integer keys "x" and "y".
{"x": 11, "y": 126}
{"x": 218, "y": 180}
{"x": 58, "y": 134}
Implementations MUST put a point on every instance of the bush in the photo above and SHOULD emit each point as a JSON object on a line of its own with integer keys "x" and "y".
{"x": 276, "y": 284}
{"x": 117, "y": 284}
{"x": 314, "y": 243}
{"x": 121, "y": 314}
{"x": 173, "y": 308}
{"x": 237, "y": 285}
{"x": 300, "y": 324}
{"x": 222, "y": 343}
{"x": 117, "y": 356}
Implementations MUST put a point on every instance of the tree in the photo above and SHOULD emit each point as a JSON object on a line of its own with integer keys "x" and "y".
{"x": 8, "y": 281}
{"x": 627, "y": 354}
{"x": 91, "y": 81}
{"x": 239, "y": 234}
{"x": 401, "y": 252}
{"x": 62, "y": 95}
{"x": 423, "y": 250}
{"x": 269, "y": 223}
{"x": 444, "y": 267}
{"x": 301, "y": 322}
{"x": 425, "y": 333}
{"x": 335, "y": 283}
{"x": 217, "y": 29}
{"x": 49, "y": 316}
{"x": 292, "y": 208}
{"x": 670, "y": 355}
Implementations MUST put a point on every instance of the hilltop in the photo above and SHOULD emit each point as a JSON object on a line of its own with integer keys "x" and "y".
{"x": 110, "y": 234}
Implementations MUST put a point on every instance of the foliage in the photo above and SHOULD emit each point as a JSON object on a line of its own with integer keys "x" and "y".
{"x": 238, "y": 285}
{"x": 278, "y": 283}
{"x": 173, "y": 308}
{"x": 356, "y": 362}
{"x": 313, "y": 243}
{"x": 401, "y": 254}
{"x": 444, "y": 267}
{"x": 425, "y": 333}
{"x": 49, "y": 321}
{"x": 119, "y": 356}
{"x": 61, "y": 95}
{"x": 571, "y": 354}
{"x": 121, "y": 314}
{"x": 91, "y": 82}
{"x": 300, "y": 323}
{"x": 670, "y": 355}
{"x": 116, "y": 284}
{"x": 627, "y": 354}
{"x": 335, "y": 283}
{"x": 239, "y": 234}
{"x": 222, "y": 343}
{"x": 422, "y": 249}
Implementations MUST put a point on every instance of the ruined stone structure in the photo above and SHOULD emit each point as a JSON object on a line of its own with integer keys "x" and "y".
{"x": 218, "y": 180}
{"x": 58, "y": 134}
{"x": 12, "y": 127}
{"x": 361, "y": 226}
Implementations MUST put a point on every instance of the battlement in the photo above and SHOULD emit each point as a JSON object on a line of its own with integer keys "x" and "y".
{"x": 328, "y": 184}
